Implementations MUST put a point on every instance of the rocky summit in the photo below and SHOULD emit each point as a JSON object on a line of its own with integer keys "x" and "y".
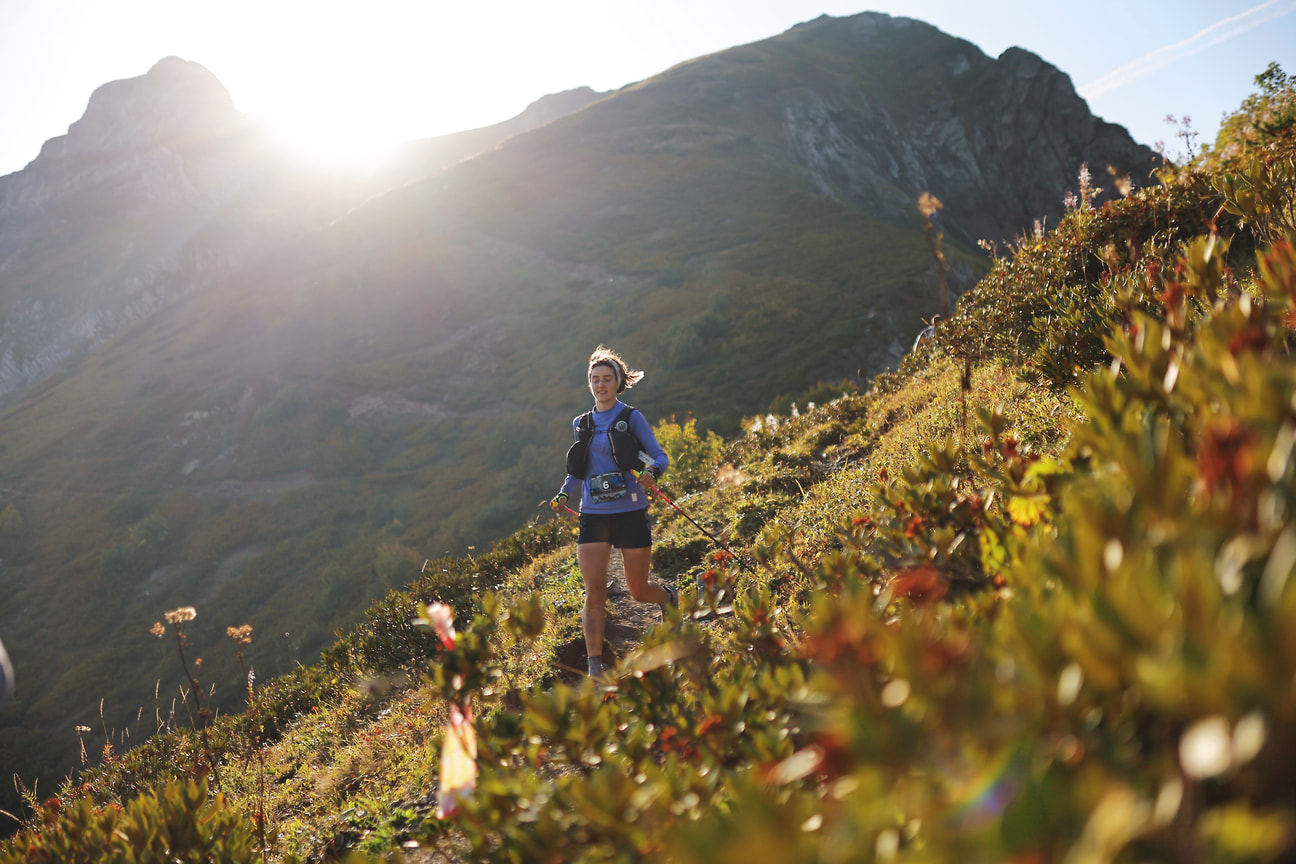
{"x": 127, "y": 211}
{"x": 136, "y": 133}
{"x": 177, "y": 104}
{"x": 996, "y": 140}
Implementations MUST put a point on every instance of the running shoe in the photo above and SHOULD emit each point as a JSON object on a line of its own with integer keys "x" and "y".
{"x": 672, "y": 599}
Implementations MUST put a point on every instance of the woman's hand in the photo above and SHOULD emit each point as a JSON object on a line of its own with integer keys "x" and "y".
{"x": 558, "y": 502}
{"x": 647, "y": 478}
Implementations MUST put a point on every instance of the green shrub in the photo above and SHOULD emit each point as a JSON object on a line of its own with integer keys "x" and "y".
{"x": 686, "y": 342}
{"x": 820, "y": 394}
{"x": 1265, "y": 118}
{"x": 693, "y": 456}
{"x": 1047, "y": 291}
{"x": 177, "y": 822}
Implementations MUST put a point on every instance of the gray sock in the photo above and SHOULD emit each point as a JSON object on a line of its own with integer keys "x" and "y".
{"x": 595, "y": 666}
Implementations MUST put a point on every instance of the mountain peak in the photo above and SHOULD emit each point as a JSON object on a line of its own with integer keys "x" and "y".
{"x": 176, "y": 104}
{"x": 865, "y": 25}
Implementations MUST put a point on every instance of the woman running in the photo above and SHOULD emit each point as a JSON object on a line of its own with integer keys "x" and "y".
{"x": 615, "y": 456}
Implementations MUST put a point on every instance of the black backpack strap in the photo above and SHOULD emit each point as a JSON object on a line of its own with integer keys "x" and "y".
{"x": 578, "y": 455}
{"x": 627, "y": 455}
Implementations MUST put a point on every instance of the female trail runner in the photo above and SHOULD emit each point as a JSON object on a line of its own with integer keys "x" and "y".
{"x": 615, "y": 456}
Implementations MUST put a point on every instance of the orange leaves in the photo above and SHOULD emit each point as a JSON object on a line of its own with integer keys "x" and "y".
{"x": 1248, "y": 339}
{"x": 672, "y": 740}
{"x": 1227, "y": 465}
{"x": 921, "y": 584}
{"x": 913, "y": 527}
{"x": 845, "y": 641}
{"x": 1173, "y": 297}
{"x": 1027, "y": 510}
{"x": 1225, "y": 458}
{"x": 711, "y": 722}
{"x": 1278, "y": 267}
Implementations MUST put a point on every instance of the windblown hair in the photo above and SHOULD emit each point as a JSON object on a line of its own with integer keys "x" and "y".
{"x": 626, "y": 377}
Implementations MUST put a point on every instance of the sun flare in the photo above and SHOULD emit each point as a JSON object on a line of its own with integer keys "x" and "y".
{"x": 334, "y": 142}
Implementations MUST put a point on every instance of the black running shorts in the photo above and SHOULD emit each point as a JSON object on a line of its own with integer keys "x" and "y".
{"x": 623, "y": 530}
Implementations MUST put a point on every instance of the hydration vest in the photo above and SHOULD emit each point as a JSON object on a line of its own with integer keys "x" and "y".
{"x": 625, "y": 446}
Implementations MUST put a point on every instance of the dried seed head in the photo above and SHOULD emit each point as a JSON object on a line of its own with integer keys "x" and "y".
{"x": 241, "y": 635}
{"x": 928, "y": 204}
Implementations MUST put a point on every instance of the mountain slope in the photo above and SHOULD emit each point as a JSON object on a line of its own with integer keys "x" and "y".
{"x": 418, "y": 159}
{"x": 161, "y": 189}
{"x": 1030, "y": 597}
{"x": 302, "y": 430}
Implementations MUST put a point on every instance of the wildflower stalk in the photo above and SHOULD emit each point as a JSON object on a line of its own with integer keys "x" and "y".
{"x": 243, "y": 636}
{"x": 175, "y": 618}
{"x": 928, "y": 204}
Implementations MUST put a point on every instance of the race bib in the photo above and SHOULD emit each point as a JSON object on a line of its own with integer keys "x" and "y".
{"x": 607, "y": 487}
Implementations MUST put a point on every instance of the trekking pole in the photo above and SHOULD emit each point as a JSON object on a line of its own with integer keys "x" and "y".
{"x": 714, "y": 538}
{"x": 564, "y": 507}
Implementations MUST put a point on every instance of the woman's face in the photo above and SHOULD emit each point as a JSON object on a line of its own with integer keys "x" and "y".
{"x": 603, "y": 384}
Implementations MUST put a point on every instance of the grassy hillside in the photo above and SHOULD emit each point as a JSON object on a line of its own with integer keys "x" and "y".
{"x": 1027, "y": 598}
{"x": 292, "y": 441}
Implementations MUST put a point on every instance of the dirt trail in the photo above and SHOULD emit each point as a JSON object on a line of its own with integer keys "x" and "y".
{"x": 626, "y": 623}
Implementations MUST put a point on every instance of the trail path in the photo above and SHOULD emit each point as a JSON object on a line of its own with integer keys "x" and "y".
{"x": 626, "y": 623}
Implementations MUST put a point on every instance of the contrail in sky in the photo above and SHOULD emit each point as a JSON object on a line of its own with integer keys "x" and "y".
{"x": 1220, "y": 31}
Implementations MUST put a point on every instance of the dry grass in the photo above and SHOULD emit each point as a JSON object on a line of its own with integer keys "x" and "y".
{"x": 925, "y": 414}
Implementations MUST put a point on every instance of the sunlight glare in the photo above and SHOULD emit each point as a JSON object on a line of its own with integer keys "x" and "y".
{"x": 334, "y": 141}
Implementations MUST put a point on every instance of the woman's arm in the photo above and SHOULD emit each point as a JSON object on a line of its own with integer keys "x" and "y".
{"x": 648, "y": 442}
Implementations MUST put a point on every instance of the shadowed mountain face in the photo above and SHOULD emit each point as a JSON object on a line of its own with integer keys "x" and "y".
{"x": 162, "y": 187}
{"x": 239, "y": 384}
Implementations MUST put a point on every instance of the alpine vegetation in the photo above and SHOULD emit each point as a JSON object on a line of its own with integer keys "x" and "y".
{"x": 1027, "y": 597}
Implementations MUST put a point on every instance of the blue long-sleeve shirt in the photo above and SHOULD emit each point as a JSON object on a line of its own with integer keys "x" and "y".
{"x": 601, "y": 462}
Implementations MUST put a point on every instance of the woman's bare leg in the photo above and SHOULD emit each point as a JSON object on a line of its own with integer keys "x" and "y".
{"x": 637, "y": 564}
{"x": 593, "y": 559}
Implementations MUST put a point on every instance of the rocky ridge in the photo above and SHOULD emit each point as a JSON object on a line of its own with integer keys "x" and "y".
{"x": 139, "y": 135}
{"x": 998, "y": 141}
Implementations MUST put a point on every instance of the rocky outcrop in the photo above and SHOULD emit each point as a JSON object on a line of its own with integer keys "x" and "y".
{"x": 1000, "y": 141}
{"x": 114, "y": 220}
{"x": 142, "y": 137}
{"x": 177, "y": 104}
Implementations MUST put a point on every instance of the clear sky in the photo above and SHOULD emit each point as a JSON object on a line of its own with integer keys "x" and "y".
{"x": 340, "y": 75}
